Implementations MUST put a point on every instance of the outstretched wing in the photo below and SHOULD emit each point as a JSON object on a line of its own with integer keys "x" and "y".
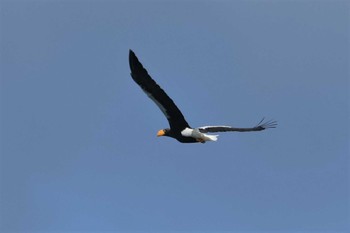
{"x": 156, "y": 93}
{"x": 260, "y": 126}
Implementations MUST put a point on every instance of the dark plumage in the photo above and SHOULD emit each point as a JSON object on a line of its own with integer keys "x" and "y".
{"x": 179, "y": 128}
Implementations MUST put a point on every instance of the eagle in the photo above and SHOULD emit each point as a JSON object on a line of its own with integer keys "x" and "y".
{"x": 179, "y": 128}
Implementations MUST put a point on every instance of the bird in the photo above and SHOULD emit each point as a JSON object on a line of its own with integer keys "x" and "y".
{"x": 179, "y": 128}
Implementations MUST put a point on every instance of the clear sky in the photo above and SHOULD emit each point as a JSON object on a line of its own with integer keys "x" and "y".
{"x": 79, "y": 150}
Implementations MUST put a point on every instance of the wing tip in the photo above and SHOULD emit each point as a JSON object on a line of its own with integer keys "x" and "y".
{"x": 133, "y": 61}
{"x": 268, "y": 124}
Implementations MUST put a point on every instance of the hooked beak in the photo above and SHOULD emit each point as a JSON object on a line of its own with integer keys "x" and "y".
{"x": 161, "y": 133}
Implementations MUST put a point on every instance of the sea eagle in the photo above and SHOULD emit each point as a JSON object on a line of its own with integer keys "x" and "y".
{"x": 179, "y": 128}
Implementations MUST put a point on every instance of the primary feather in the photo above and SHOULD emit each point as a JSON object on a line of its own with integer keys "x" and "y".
{"x": 260, "y": 126}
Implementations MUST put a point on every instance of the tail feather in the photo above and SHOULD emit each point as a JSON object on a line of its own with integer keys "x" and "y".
{"x": 211, "y": 137}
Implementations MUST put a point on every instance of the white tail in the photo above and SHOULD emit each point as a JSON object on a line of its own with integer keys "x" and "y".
{"x": 211, "y": 137}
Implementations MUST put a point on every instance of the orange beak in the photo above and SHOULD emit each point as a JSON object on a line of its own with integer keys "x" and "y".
{"x": 160, "y": 133}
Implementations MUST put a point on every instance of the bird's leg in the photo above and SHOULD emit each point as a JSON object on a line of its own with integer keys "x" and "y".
{"x": 201, "y": 140}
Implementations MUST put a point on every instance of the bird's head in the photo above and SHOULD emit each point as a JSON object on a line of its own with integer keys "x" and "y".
{"x": 163, "y": 132}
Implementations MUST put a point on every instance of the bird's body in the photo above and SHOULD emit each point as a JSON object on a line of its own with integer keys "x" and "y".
{"x": 179, "y": 128}
{"x": 188, "y": 135}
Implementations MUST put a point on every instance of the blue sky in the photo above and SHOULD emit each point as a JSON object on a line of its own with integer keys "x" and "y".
{"x": 79, "y": 150}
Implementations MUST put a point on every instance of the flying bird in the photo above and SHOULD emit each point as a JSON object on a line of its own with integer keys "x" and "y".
{"x": 179, "y": 128}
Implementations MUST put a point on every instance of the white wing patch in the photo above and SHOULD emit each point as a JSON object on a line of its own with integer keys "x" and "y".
{"x": 187, "y": 132}
{"x": 214, "y": 126}
{"x": 195, "y": 133}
